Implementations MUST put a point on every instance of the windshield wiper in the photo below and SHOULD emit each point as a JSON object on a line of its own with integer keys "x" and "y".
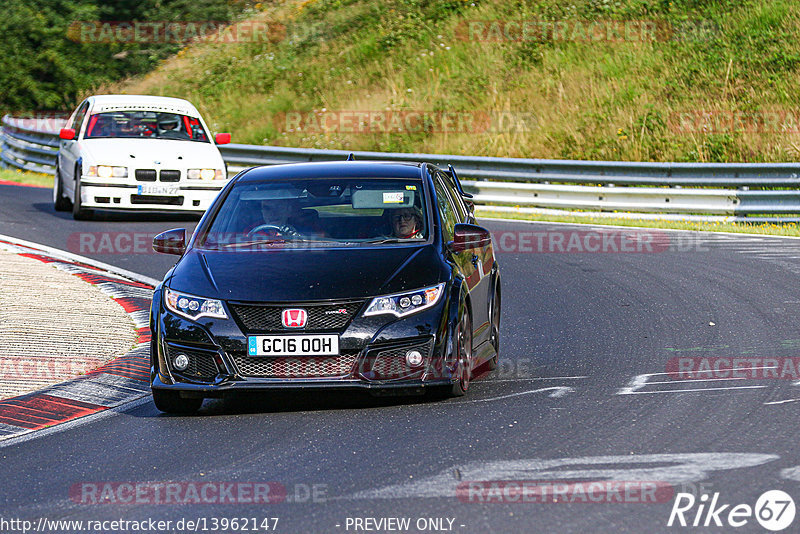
{"x": 257, "y": 242}
{"x": 385, "y": 240}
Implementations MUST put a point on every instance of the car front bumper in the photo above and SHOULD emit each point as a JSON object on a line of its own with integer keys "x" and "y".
{"x": 376, "y": 348}
{"x": 228, "y": 386}
{"x": 127, "y": 196}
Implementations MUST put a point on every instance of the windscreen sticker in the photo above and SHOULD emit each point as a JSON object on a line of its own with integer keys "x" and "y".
{"x": 411, "y": 188}
{"x": 393, "y": 198}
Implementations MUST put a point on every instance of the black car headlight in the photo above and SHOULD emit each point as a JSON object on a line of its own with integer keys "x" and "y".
{"x": 402, "y": 304}
{"x": 193, "y": 307}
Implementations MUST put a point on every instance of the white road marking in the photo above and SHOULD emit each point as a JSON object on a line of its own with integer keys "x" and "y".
{"x": 697, "y": 380}
{"x": 781, "y": 402}
{"x": 489, "y": 381}
{"x": 557, "y": 392}
{"x": 666, "y": 468}
{"x": 695, "y": 390}
{"x": 791, "y": 473}
{"x": 640, "y": 381}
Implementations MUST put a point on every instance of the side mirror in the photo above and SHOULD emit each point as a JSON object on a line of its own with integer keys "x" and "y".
{"x": 170, "y": 242}
{"x": 67, "y": 134}
{"x": 222, "y": 138}
{"x": 469, "y": 237}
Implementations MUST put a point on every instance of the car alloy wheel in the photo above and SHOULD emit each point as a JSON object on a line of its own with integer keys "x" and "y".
{"x": 494, "y": 335}
{"x": 463, "y": 356}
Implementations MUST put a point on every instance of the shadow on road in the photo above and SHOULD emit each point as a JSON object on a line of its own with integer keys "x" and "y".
{"x": 299, "y": 401}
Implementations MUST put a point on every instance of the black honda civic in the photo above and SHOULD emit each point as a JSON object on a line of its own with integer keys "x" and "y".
{"x": 350, "y": 274}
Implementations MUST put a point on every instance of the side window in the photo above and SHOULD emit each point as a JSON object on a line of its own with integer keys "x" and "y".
{"x": 446, "y": 212}
{"x": 461, "y": 207}
{"x": 76, "y": 124}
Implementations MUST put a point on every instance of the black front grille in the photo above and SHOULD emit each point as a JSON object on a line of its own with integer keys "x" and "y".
{"x": 296, "y": 366}
{"x": 145, "y": 175}
{"x": 156, "y": 199}
{"x": 267, "y": 317}
{"x": 201, "y": 363}
{"x": 170, "y": 176}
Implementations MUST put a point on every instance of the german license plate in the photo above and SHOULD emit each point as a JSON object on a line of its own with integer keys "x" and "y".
{"x": 152, "y": 189}
{"x": 303, "y": 345}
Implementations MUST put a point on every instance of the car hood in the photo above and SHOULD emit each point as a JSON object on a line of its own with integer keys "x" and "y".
{"x": 151, "y": 153}
{"x": 306, "y": 275}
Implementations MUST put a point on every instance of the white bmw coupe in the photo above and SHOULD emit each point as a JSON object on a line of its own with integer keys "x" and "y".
{"x": 130, "y": 152}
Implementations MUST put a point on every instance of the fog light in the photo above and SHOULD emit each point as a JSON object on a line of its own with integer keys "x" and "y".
{"x": 414, "y": 358}
{"x": 181, "y": 362}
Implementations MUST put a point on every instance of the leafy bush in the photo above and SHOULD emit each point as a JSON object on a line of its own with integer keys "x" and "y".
{"x": 44, "y": 69}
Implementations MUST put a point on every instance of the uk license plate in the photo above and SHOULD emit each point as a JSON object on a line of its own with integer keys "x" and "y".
{"x": 300, "y": 345}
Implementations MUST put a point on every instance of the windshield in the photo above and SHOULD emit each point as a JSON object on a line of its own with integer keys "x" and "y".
{"x": 145, "y": 124}
{"x": 321, "y": 212}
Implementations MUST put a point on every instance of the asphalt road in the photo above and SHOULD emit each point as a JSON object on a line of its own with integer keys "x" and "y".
{"x": 583, "y": 394}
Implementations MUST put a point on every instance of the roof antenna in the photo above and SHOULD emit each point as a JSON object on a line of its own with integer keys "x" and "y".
{"x": 351, "y": 157}
{"x": 452, "y": 172}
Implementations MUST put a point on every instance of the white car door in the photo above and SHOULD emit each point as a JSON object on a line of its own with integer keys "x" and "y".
{"x": 69, "y": 149}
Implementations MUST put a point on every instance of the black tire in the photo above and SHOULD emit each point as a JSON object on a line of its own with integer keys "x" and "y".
{"x": 172, "y": 402}
{"x": 60, "y": 202}
{"x": 79, "y": 213}
{"x": 462, "y": 346}
{"x": 494, "y": 321}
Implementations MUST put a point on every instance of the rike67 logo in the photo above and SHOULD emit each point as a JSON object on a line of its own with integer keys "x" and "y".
{"x": 774, "y": 510}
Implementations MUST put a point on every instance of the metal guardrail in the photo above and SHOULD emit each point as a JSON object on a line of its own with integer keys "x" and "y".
{"x": 27, "y": 145}
{"x": 738, "y": 189}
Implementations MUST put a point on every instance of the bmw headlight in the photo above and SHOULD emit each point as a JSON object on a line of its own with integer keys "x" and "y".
{"x": 402, "y": 304}
{"x": 205, "y": 174}
{"x": 107, "y": 171}
{"x": 193, "y": 307}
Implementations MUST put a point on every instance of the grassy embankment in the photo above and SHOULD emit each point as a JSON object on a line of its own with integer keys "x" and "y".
{"x": 603, "y": 100}
{"x": 576, "y": 98}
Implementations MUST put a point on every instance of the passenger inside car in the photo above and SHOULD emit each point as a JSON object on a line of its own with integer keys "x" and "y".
{"x": 407, "y": 223}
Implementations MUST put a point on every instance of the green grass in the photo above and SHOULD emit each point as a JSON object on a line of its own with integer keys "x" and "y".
{"x": 601, "y": 100}
{"x": 788, "y": 229}
{"x": 27, "y": 178}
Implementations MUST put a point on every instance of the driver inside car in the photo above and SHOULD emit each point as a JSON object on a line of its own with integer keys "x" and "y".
{"x": 169, "y": 127}
{"x": 276, "y": 215}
